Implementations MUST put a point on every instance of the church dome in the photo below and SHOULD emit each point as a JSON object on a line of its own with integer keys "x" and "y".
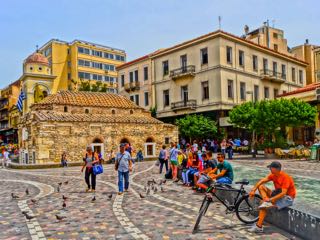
{"x": 37, "y": 58}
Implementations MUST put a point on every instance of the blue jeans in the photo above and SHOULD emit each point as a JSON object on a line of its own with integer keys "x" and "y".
{"x": 122, "y": 175}
{"x": 224, "y": 180}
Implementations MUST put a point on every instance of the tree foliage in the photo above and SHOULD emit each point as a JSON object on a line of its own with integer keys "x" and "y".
{"x": 196, "y": 126}
{"x": 269, "y": 115}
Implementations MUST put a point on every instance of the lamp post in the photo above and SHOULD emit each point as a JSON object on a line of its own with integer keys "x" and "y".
{"x": 253, "y": 149}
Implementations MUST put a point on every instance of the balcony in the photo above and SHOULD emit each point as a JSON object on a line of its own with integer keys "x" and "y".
{"x": 189, "y": 104}
{"x": 183, "y": 72}
{"x": 273, "y": 76}
{"x": 132, "y": 86}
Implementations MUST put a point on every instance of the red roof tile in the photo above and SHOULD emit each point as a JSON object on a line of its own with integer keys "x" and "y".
{"x": 310, "y": 87}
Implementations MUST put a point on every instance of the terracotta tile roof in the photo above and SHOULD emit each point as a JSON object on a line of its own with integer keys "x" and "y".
{"x": 88, "y": 99}
{"x": 223, "y": 33}
{"x": 45, "y": 115}
{"x": 310, "y": 87}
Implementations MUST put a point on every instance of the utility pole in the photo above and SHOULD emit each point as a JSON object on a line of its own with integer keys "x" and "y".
{"x": 253, "y": 141}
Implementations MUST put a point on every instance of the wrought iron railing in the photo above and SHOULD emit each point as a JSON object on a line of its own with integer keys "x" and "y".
{"x": 272, "y": 74}
{"x": 183, "y": 71}
{"x": 184, "y": 104}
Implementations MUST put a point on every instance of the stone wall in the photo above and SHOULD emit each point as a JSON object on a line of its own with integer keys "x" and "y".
{"x": 49, "y": 140}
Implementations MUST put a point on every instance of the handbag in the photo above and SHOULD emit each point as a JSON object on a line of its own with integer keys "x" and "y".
{"x": 117, "y": 163}
{"x": 97, "y": 169}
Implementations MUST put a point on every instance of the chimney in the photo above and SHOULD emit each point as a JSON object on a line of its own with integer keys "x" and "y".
{"x": 307, "y": 41}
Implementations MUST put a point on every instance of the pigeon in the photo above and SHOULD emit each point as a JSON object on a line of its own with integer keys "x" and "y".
{"x": 28, "y": 216}
{"x": 110, "y": 196}
{"x": 34, "y": 201}
{"x": 148, "y": 191}
{"x": 60, "y": 183}
{"x": 27, "y": 191}
{"x": 154, "y": 181}
{"x": 14, "y": 196}
{"x": 64, "y": 197}
{"x": 155, "y": 189}
{"x": 66, "y": 182}
{"x": 64, "y": 205}
{"x": 59, "y": 218}
{"x": 141, "y": 196}
{"x": 93, "y": 199}
{"x": 24, "y": 212}
{"x": 58, "y": 189}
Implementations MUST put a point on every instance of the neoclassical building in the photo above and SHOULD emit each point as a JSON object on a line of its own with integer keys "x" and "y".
{"x": 69, "y": 121}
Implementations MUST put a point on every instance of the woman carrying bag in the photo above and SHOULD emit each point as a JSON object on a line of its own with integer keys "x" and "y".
{"x": 90, "y": 160}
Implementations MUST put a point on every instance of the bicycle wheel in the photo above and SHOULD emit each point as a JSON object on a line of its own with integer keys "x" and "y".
{"x": 247, "y": 209}
{"x": 200, "y": 214}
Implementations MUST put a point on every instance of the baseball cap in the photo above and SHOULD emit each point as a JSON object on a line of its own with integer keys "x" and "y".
{"x": 122, "y": 144}
{"x": 275, "y": 164}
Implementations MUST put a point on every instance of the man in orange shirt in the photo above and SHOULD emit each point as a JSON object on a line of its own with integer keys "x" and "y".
{"x": 281, "y": 197}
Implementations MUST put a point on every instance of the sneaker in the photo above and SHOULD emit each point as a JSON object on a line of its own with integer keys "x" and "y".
{"x": 126, "y": 190}
{"x": 255, "y": 229}
{"x": 93, "y": 190}
{"x": 120, "y": 193}
{"x": 88, "y": 190}
{"x": 265, "y": 205}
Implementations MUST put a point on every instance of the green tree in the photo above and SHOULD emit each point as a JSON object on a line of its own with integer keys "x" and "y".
{"x": 196, "y": 127}
{"x": 153, "y": 111}
{"x": 85, "y": 86}
{"x": 104, "y": 88}
{"x": 96, "y": 87}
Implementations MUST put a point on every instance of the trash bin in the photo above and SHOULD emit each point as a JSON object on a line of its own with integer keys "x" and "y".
{"x": 314, "y": 155}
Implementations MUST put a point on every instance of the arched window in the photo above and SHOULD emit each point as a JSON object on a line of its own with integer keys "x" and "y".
{"x": 40, "y": 69}
{"x": 65, "y": 109}
{"x": 113, "y": 111}
{"x": 86, "y": 111}
{"x": 44, "y": 94}
{"x": 131, "y": 111}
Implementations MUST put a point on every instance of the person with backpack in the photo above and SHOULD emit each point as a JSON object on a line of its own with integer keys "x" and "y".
{"x": 89, "y": 160}
{"x": 123, "y": 164}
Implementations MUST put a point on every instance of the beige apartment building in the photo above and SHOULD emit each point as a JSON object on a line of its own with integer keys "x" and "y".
{"x": 215, "y": 72}
{"x": 135, "y": 81}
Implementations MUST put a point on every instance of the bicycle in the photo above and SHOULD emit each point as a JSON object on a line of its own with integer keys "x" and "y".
{"x": 245, "y": 207}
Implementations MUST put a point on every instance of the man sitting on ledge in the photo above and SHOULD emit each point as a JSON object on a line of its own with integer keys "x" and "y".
{"x": 225, "y": 174}
{"x": 281, "y": 197}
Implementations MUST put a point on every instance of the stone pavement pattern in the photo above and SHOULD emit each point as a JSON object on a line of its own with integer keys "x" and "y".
{"x": 163, "y": 215}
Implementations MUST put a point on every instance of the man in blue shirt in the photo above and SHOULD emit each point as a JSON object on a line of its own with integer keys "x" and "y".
{"x": 123, "y": 164}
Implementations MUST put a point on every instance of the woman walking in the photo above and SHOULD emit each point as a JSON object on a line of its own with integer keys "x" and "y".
{"x": 163, "y": 159}
{"x": 89, "y": 160}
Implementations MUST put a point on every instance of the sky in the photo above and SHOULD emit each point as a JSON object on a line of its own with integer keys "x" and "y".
{"x": 140, "y": 27}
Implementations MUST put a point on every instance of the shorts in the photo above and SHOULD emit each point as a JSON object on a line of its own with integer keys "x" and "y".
{"x": 224, "y": 180}
{"x": 204, "y": 179}
{"x": 174, "y": 162}
{"x": 284, "y": 202}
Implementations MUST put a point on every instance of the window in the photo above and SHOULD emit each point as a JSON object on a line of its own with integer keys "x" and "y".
{"x": 146, "y": 98}
{"x": 255, "y": 63}
{"x": 40, "y": 69}
{"x": 69, "y": 76}
{"x": 265, "y": 65}
{"x": 274, "y": 68}
{"x": 96, "y": 65}
{"x": 84, "y": 75}
{"x": 145, "y": 73}
{"x": 242, "y": 91}
{"x": 111, "y": 56}
{"x": 118, "y": 57}
{"x": 165, "y": 67}
{"x": 113, "y": 111}
{"x": 275, "y": 47}
{"x": 275, "y": 93}
{"x": 229, "y": 55}
{"x": 136, "y": 76}
{"x": 65, "y": 109}
{"x": 293, "y": 74}
{"x": 122, "y": 58}
{"x": 204, "y": 56}
{"x": 86, "y": 111}
{"x": 166, "y": 140}
{"x": 131, "y": 112}
{"x": 96, "y": 53}
{"x": 132, "y": 98}
{"x": 266, "y": 93}
{"x": 241, "y": 58}
{"x": 136, "y": 99}
{"x": 131, "y": 76}
{"x": 283, "y": 71}
{"x": 256, "y": 93}
{"x": 230, "y": 88}
{"x": 83, "y": 50}
{"x": 184, "y": 93}
{"x": 183, "y": 62}
{"x": 300, "y": 77}
{"x": 122, "y": 80}
{"x": 69, "y": 63}
{"x": 205, "y": 90}
{"x": 275, "y": 35}
{"x": 166, "y": 98}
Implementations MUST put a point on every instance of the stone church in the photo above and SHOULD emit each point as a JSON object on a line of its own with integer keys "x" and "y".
{"x": 69, "y": 121}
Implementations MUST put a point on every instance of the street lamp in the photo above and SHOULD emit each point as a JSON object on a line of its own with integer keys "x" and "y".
{"x": 253, "y": 150}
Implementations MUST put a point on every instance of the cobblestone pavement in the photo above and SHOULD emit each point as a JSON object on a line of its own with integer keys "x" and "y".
{"x": 162, "y": 215}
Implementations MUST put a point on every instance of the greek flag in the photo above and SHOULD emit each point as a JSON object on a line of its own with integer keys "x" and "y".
{"x": 22, "y": 97}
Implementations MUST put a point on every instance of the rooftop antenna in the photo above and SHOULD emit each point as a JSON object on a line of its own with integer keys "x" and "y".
{"x": 37, "y": 48}
{"x": 219, "y": 19}
{"x": 273, "y": 22}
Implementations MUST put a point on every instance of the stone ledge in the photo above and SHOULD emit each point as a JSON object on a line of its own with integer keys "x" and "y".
{"x": 292, "y": 220}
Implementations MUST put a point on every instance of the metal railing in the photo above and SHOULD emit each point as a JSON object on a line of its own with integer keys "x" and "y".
{"x": 272, "y": 74}
{"x": 132, "y": 86}
{"x": 186, "y": 70}
{"x": 192, "y": 104}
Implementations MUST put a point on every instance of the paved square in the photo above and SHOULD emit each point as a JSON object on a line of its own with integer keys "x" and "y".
{"x": 162, "y": 215}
